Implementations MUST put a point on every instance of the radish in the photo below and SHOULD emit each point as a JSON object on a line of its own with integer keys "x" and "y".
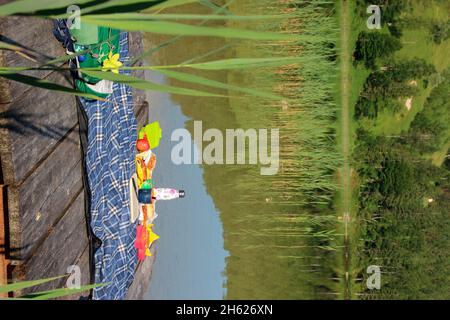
{"x": 142, "y": 144}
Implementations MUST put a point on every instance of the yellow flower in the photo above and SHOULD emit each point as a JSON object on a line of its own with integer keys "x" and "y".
{"x": 112, "y": 63}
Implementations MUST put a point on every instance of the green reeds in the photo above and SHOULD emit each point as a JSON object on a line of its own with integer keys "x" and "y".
{"x": 283, "y": 220}
{"x": 42, "y": 295}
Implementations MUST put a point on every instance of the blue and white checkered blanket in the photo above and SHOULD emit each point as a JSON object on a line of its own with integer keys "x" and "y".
{"x": 110, "y": 164}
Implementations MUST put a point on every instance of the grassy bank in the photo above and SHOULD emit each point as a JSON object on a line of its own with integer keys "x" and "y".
{"x": 297, "y": 213}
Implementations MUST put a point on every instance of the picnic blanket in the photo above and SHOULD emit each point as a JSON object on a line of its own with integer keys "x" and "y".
{"x": 109, "y": 164}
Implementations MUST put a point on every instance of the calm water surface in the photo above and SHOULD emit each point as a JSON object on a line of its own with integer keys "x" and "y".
{"x": 190, "y": 259}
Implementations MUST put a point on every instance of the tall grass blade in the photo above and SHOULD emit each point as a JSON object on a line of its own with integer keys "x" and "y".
{"x": 44, "y": 84}
{"x": 146, "y": 85}
{"x": 245, "y": 63}
{"x": 162, "y": 16}
{"x": 25, "y": 284}
{"x": 214, "y": 7}
{"x": 58, "y": 293}
{"x": 110, "y": 4}
{"x": 172, "y": 3}
{"x": 216, "y": 84}
{"x": 66, "y": 57}
{"x": 114, "y": 3}
{"x": 7, "y": 46}
{"x": 28, "y": 6}
{"x": 174, "y": 28}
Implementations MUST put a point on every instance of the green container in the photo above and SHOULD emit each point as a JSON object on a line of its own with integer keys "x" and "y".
{"x": 100, "y": 41}
{"x": 85, "y": 35}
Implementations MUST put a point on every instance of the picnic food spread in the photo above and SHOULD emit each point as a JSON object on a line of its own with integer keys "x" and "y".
{"x": 148, "y": 194}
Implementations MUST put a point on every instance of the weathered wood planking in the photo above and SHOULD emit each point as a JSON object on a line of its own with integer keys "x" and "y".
{"x": 139, "y": 287}
{"x": 141, "y": 105}
{"x": 142, "y": 115}
{"x": 36, "y": 122}
{"x": 33, "y": 124}
{"x": 44, "y": 196}
{"x": 35, "y": 36}
{"x": 62, "y": 248}
{"x": 39, "y": 141}
{"x": 5, "y": 96}
{"x": 83, "y": 263}
{"x": 136, "y": 49}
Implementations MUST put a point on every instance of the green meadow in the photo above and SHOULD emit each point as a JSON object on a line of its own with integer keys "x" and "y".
{"x": 416, "y": 43}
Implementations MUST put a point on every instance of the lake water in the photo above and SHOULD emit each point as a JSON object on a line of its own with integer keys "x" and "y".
{"x": 190, "y": 259}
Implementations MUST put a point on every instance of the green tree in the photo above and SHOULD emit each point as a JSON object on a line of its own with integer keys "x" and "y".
{"x": 401, "y": 230}
{"x": 440, "y": 31}
{"x": 373, "y": 45}
{"x": 430, "y": 129}
{"x": 410, "y": 69}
